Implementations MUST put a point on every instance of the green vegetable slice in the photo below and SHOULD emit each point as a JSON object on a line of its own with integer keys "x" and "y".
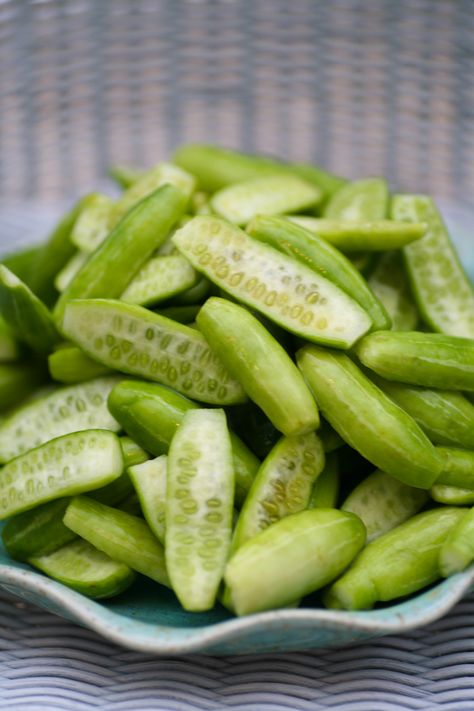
{"x": 360, "y": 201}
{"x": 397, "y": 564}
{"x": 389, "y": 282}
{"x": 125, "y": 250}
{"x": 286, "y": 291}
{"x": 430, "y": 360}
{"x": 161, "y": 278}
{"x": 149, "y": 480}
{"x": 118, "y": 534}
{"x": 65, "y": 410}
{"x": 71, "y": 365}
{"x": 325, "y": 492}
{"x": 254, "y": 357}
{"x": 151, "y": 414}
{"x": 457, "y": 552}
{"x": 64, "y": 466}
{"x": 199, "y": 507}
{"x": 367, "y": 419}
{"x": 94, "y": 223}
{"x": 317, "y": 254}
{"x": 27, "y": 316}
{"x": 134, "y": 340}
{"x": 382, "y": 502}
{"x": 83, "y": 568}
{"x": 283, "y": 485}
{"x": 270, "y": 195}
{"x": 443, "y": 292}
{"x": 294, "y": 557}
{"x": 349, "y": 236}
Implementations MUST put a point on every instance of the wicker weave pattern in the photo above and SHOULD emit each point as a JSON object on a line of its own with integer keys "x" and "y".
{"x": 361, "y": 86}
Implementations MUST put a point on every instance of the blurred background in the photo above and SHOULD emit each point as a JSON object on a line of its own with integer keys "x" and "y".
{"x": 362, "y": 87}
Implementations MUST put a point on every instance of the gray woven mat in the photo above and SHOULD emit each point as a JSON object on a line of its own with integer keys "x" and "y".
{"x": 47, "y": 663}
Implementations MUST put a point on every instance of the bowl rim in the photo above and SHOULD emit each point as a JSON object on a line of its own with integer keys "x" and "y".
{"x": 145, "y": 637}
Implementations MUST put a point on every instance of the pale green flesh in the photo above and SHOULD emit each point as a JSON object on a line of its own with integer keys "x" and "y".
{"x": 199, "y": 507}
{"x": 93, "y": 224}
{"x": 64, "y": 466}
{"x": 360, "y": 201}
{"x": 282, "y": 486}
{"x": 271, "y": 195}
{"x": 289, "y": 293}
{"x": 120, "y": 535}
{"x": 382, "y": 502}
{"x": 296, "y": 556}
{"x": 398, "y": 563}
{"x": 134, "y": 340}
{"x": 253, "y": 356}
{"x": 160, "y": 279}
{"x": 324, "y": 259}
{"x": 151, "y": 180}
{"x": 441, "y": 288}
{"x": 65, "y": 410}
{"x": 362, "y": 236}
{"x": 82, "y": 567}
{"x": 149, "y": 480}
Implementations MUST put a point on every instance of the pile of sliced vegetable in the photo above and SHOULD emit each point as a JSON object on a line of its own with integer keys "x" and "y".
{"x": 247, "y": 380}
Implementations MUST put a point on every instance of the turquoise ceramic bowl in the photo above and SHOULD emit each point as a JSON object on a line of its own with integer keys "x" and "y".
{"x": 148, "y": 618}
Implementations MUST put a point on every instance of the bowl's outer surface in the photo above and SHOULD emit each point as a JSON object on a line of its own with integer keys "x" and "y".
{"x": 148, "y": 618}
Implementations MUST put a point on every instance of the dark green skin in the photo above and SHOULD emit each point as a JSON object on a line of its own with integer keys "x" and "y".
{"x": 54, "y": 255}
{"x": 367, "y": 419}
{"x": 430, "y": 360}
{"x": 151, "y": 414}
{"x": 126, "y": 249}
{"x": 322, "y": 257}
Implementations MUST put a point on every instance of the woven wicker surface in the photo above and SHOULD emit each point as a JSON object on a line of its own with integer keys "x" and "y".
{"x": 363, "y": 87}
